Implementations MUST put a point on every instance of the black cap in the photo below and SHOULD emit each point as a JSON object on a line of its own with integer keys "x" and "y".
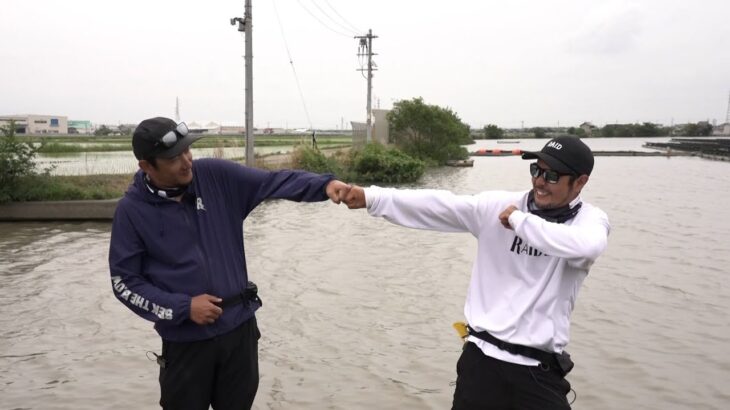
{"x": 567, "y": 155}
{"x": 147, "y": 140}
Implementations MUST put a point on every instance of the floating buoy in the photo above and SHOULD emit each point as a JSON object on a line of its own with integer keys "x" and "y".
{"x": 484, "y": 152}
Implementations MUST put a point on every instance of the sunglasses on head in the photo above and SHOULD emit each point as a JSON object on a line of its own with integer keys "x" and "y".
{"x": 173, "y": 136}
{"x": 550, "y": 176}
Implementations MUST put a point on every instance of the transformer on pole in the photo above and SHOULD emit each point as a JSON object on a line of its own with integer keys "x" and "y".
{"x": 366, "y": 49}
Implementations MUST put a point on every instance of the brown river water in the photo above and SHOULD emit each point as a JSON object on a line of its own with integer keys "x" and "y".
{"x": 357, "y": 312}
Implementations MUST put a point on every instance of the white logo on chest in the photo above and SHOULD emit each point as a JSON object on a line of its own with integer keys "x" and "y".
{"x": 199, "y": 204}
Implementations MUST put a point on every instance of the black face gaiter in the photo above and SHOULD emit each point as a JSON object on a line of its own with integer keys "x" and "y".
{"x": 557, "y": 215}
{"x": 163, "y": 192}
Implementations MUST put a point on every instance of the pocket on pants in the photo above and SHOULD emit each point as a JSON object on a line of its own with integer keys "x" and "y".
{"x": 551, "y": 380}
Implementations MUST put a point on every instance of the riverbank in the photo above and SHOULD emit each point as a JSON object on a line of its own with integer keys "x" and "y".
{"x": 112, "y": 187}
{"x": 86, "y": 210}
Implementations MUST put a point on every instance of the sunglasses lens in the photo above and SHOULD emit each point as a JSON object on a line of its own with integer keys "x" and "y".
{"x": 534, "y": 170}
{"x": 549, "y": 175}
{"x": 169, "y": 139}
{"x": 182, "y": 129}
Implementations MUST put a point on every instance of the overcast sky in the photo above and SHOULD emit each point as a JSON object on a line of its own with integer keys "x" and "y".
{"x": 531, "y": 62}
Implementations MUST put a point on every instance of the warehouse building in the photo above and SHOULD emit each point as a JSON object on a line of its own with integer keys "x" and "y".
{"x": 36, "y": 124}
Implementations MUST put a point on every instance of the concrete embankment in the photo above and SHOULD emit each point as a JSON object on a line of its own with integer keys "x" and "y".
{"x": 102, "y": 210}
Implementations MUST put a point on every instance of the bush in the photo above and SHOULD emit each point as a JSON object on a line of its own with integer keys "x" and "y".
{"x": 16, "y": 163}
{"x": 376, "y": 163}
{"x": 313, "y": 160}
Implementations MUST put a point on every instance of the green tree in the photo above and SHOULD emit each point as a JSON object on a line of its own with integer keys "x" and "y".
{"x": 493, "y": 132}
{"x": 618, "y": 131}
{"x": 647, "y": 129}
{"x": 16, "y": 162}
{"x": 700, "y": 129}
{"x": 539, "y": 133}
{"x": 428, "y": 132}
{"x": 102, "y": 131}
{"x": 125, "y": 129}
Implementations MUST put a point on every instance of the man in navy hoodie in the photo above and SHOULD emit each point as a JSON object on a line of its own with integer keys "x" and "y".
{"x": 177, "y": 258}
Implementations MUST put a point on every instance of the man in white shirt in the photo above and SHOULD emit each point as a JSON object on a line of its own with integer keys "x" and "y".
{"x": 535, "y": 248}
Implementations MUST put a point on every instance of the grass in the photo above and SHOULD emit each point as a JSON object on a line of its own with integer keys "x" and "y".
{"x": 69, "y": 188}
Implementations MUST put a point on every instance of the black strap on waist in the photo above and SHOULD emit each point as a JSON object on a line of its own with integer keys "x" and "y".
{"x": 548, "y": 360}
{"x": 250, "y": 294}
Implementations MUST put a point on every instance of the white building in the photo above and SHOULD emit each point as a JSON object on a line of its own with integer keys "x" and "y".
{"x": 722, "y": 129}
{"x": 380, "y": 132}
{"x": 37, "y": 124}
{"x": 588, "y": 128}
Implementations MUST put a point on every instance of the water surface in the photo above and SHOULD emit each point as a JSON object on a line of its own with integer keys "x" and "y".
{"x": 357, "y": 312}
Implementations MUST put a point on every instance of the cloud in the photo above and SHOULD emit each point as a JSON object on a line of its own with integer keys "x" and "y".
{"x": 612, "y": 28}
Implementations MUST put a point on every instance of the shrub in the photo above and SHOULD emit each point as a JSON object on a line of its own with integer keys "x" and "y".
{"x": 16, "y": 163}
{"x": 376, "y": 163}
{"x": 313, "y": 160}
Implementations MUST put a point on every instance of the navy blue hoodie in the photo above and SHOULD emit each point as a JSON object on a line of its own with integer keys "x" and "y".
{"x": 163, "y": 252}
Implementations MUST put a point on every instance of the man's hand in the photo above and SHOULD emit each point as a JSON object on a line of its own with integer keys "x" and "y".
{"x": 336, "y": 190}
{"x": 504, "y": 216}
{"x": 355, "y": 198}
{"x": 203, "y": 309}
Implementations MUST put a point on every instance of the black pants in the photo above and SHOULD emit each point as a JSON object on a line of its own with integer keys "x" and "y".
{"x": 486, "y": 383}
{"x": 223, "y": 371}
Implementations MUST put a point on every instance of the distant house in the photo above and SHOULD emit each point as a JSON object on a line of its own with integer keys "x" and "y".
{"x": 37, "y": 124}
{"x": 722, "y": 129}
{"x": 588, "y": 128}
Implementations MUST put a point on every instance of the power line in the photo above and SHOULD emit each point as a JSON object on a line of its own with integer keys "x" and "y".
{"x": 291, "y": 62}
{"x": 357, "y": 30}
{"x": 322, "y": 22}
{"x": 332, "y": 19}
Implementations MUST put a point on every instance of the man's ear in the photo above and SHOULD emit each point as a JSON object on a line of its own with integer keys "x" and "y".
{"x": 145, "y": 165}
{"x": 580, "y": 182}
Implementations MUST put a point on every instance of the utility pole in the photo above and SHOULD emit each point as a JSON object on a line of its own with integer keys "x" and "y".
{"x": 177, "y": 109}
{"x": 245, "y": 25}
{"x": 366, "y": 49}
{"x": 727, "y": 116}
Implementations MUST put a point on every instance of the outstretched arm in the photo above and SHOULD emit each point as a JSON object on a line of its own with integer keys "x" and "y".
{"x": 418, "y": 208}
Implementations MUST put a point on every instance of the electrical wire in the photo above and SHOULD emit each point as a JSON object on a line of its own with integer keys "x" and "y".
{"x": 291, "y": 62}
{"x": 332, "y": 19}
{"x": 357, "y": 30}
{"x": 322, "y": 22}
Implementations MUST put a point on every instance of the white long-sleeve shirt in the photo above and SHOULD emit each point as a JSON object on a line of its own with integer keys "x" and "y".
{"x": 525, "y": 281}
